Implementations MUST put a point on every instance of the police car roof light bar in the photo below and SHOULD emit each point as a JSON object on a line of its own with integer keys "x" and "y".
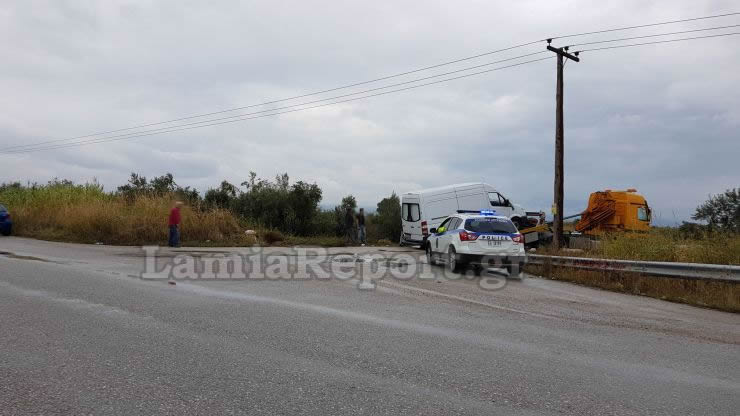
{"x": 482, "y": 212}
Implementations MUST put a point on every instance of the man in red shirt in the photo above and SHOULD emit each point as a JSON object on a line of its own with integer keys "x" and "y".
{"x": 174, "y": 224}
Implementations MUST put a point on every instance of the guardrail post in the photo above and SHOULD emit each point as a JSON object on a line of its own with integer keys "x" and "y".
{"x": 547, "y": 267}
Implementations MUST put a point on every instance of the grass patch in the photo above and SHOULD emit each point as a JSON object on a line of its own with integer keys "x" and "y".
{"x": 663, "y": 244}
{"x": 718, "y": 295}
{"x": 85, "y": 214}
{"x": 659, "y": 244}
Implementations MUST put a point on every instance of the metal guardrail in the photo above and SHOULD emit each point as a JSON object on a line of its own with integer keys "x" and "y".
{"x": 693, "y": 271}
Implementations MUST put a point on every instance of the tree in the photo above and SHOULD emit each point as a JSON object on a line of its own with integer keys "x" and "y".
{"x": 162, "y": 185}
{"x": 340, "y": 212}
{"x": 721, "y": 211}
{"x": 221, "y": 197}
{"x": 138, "y": 186}
{"x": 388, "y": 218}
{"x": 289, "y": 208}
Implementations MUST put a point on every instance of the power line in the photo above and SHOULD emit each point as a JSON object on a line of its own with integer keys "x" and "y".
{"x": 176, "y": 128}
{"x": 660, "y": 41}
{"x": 289, "y": 98}
{"x": 31, "y": 146}
{"x": 652, "y": 36}
{"x": 323, "y": 99}
{"x": 372, "y": 80}
{"x": 646, "y": 25}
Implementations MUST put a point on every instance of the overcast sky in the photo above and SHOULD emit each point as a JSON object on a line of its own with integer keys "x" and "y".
{"x": 661, "y": 118}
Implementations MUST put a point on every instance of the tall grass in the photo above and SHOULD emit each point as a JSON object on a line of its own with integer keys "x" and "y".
{"x": 659, "y": 244}
{"x": 86, "y": 214}
{"x": 665, "y": 244}
{"x": 718, "y": 295}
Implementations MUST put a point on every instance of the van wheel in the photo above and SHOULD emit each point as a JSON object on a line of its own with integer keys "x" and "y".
{"x": 430, "y": 255}
{"x": 453, "y": 263}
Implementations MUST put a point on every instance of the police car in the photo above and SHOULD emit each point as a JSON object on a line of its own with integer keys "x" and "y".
{"x": 477, "y": 238}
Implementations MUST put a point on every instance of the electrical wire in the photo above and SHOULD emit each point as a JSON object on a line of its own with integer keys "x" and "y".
{"x": 656, "y": 42}
{"x": 176, "y": 128}
{"x": 31, "y": 146}
{"x": 372, "y": 80}
{"x": 645, "y": 25}
{"x": 652, "y": 36}
{"x": 289, "y": 98}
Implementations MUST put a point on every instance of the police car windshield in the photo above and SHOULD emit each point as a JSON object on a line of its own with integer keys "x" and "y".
{"x": 490, "y": 225}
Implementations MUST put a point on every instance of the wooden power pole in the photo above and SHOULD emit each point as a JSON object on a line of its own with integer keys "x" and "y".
{"x": 557, "y": 210}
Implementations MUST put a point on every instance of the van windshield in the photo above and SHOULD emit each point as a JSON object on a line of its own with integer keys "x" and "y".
{"x": 490, "y": 225}
{"x": 410, "y": 212}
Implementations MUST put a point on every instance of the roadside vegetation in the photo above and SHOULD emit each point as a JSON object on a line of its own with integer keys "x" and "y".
{"x": 687, "y": 244}
{"x": 279, "y": 213}
{"x": 690, "y": 243}
{"x": 717, "y": 295}
{"x": 715, "y": 242}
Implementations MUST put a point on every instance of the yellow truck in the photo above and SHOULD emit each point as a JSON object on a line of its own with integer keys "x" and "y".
{"x": 614, "y": 211}
{"x": 608, "y": 211}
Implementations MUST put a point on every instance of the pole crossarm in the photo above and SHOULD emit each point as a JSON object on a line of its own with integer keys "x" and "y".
{"x": 565, "y": 53}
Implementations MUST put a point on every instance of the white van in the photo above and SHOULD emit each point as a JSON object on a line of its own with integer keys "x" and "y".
{"x": 427, "y": 208}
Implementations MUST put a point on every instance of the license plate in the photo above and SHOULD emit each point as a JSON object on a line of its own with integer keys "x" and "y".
{"x": 493, "y": 243}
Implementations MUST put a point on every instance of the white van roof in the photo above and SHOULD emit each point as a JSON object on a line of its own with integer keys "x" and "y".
{"x": 448, "y": 187}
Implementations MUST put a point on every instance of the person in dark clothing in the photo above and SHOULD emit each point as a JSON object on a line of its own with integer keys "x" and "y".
{"x": 361, "y": 226}
{"x": 174, "y": 224}
{"x": 349, "y": 225}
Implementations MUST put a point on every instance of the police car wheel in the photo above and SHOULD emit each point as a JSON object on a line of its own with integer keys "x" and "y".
{"x": 452, "y": 261}
{"x": 514, "y": 270}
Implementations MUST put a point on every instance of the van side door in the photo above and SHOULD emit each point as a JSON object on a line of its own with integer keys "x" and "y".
{"x": 500, "y": 204}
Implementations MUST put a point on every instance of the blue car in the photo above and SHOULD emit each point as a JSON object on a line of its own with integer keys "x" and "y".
{"x": 5, "y": 223}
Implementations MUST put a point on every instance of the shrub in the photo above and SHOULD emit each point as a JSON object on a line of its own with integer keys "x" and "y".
{"x": 86, "y": 214}
{"x": 388, "y": 218}
{"x": 272, "y": 237}
{"x": 721, "y": 211}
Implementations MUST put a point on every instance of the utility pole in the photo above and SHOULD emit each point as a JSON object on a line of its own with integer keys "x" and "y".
{"x": 557, "y": 208}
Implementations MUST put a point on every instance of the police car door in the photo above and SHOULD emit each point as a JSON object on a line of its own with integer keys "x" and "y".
{"x": 447, "y": 238}
{"x": 436, "y": 239}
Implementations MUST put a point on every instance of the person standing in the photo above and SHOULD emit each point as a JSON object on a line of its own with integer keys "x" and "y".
{"x": 361, "y": 226}
{"x": 174, "y": 224}
{"x": 349, "y": 225}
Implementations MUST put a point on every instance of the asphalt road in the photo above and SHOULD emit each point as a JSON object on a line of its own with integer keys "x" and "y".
{"x": 82, "y": 333}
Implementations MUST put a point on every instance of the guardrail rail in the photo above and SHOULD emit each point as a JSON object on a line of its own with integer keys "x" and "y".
{"x": 694, "y": 271}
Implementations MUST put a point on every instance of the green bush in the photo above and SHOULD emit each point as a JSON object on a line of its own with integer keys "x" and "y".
{"x": 388, "y": 218}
